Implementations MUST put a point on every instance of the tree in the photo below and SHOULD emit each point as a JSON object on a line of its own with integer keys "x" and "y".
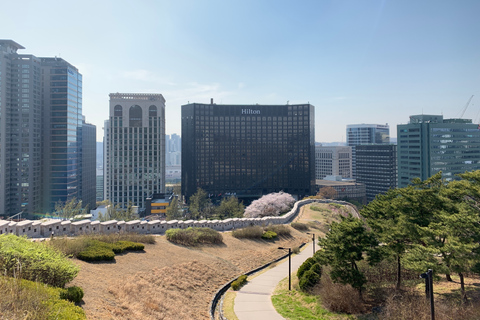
{"x": 119, "y": 214}
{"x": 230, "y": 208}
{"x": 272, "y": 204}
{"x": 397, "y": 218}
{"x": 69, "y": 209}
{"x": 327, "y": 193}
{"x": 199, "y": 204}
{"x": 343, "y": 246}
{"x": 450, "y": 243}
{"x": 174, "y": 210}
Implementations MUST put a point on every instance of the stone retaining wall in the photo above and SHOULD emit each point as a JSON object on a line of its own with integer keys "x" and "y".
{"x": 38, "y": 229}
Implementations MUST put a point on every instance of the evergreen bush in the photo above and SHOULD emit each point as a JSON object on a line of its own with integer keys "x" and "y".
{"x": 299, "y": 226}
{"x": 237, "y": 284}
{"x": 73, "y": 294}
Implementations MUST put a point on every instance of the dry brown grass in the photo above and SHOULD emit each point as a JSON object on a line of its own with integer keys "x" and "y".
{"x": 169, "y": 281}
{"x": 339, "y": 298}
{"x": 409, "y": 304}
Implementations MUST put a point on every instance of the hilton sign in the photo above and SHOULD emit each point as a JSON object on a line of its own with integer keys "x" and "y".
{"x": 250, "y": 111}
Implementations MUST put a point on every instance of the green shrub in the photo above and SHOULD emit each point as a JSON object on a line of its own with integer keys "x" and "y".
{"x": 269, "y": 235}
{"x": 299, "y": 226}
{"x": 28, "y": 260}
{"x": 237, "y": 284}
{"x": 192, "y": 236}
{"x": 73, "y": 294}
{"x": 254, "y": 232}
{"x": 279, "y": 229}
{"x": 309, "y": 279}
{"x": 306, "y": 265}
{"x": 97, "y": 252}
{"x": 121, "y": 246}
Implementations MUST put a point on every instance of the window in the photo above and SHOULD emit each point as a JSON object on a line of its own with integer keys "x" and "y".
{"x": 118, "y": 111}
{"x": 152, "y": 111}
{"x": 135, "y": 116}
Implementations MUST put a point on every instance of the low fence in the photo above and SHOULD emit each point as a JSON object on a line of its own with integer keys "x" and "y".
{"x": 55, "y": 227}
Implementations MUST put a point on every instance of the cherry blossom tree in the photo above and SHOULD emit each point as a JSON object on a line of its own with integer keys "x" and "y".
{"x": 273, "y": 204}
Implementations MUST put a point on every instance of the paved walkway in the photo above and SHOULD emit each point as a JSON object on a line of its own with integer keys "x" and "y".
{"x": 254, "y": 300}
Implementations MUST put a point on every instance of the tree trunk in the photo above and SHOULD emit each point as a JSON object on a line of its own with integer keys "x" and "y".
{"x": 462, "y": 287}
{"x": 449, "y": 278}
{"x": 399, "y": 273}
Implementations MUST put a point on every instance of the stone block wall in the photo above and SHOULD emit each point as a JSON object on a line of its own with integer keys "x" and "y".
{"x": 38, "y": 229}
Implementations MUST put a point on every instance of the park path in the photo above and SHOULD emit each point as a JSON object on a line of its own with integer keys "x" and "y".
{"x": 254, "y": 300}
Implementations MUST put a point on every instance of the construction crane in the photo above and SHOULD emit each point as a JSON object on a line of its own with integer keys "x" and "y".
{"x": 466, "y": 106}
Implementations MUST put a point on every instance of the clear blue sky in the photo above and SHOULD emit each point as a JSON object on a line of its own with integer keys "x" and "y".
{"x": 372, "y": 61}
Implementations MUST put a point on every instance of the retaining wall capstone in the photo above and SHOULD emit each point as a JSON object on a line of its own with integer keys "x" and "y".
{"x": 56, "y": 227}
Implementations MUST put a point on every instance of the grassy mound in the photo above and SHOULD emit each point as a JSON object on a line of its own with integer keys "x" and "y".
{"x": 193, "y": 236}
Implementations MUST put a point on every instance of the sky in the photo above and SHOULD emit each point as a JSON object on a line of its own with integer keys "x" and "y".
{"x": 358, "y": 61}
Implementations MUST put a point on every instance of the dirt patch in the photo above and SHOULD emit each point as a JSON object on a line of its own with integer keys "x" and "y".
{"x": 168, "y": 281}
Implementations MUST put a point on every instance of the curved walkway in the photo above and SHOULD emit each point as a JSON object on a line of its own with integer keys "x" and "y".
{"x": 254, "y": 300}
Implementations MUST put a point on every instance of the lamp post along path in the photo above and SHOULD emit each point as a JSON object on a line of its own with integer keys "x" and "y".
{"x": 289, "y": 267}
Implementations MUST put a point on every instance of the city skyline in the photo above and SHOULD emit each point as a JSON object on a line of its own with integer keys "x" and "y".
{"x": 356, "y": 62}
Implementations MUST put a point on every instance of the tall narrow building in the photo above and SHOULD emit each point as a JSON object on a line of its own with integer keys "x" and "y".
{"x": 134, "y": 148}
{"x": 429, "y": 144}
{"x": 20, "y": 130}
{"x": 62, "y": 132}
{"x": 88, "y": 190}
{"x": 248, "y": 150}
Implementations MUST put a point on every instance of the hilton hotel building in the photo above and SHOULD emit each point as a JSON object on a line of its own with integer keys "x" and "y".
{"x": 248, "y": 150}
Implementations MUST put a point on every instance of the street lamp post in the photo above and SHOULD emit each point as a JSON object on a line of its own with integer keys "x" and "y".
{"x": 289, "y": 266}
{"x": 313, "y": 241}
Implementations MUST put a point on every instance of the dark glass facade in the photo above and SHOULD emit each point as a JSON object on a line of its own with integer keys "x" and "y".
{"x": 248, "y": 150}
{"x": 62, "y": 130}
{"x": 377, "y": 168}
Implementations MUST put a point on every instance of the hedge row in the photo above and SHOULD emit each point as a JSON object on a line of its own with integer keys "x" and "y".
{"x": 102, "y": 251}
{"x": 257, "y": 232}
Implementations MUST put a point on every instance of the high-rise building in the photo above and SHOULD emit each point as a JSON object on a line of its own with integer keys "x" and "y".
{"x": 248, "y": 150}
{"x": 429, "y": 144}
{"x": 377, "y": 168}
{"x": 360, "y": 134}
{"x": 62, "y": 132}
{"x": 89, "y": 176}
{"x": 40, "y": 131}
{"x": 333, "y": 161}
{"x": 20, "y": 130}
{"x": 134, "y": 148}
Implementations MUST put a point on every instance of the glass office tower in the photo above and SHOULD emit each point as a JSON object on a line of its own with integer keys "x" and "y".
{"x": 20, "y": 130}
{"x": 62, "y": 130}
{"x": 248, "y": 150}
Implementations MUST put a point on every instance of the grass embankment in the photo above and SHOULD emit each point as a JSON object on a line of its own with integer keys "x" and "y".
{"x": 100, "y": 247}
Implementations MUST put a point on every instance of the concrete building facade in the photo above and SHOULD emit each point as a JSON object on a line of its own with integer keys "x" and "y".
{"x": 134, "y": 150}
{"x": 429, "y": 144}
{"x": 333, "y": 161}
